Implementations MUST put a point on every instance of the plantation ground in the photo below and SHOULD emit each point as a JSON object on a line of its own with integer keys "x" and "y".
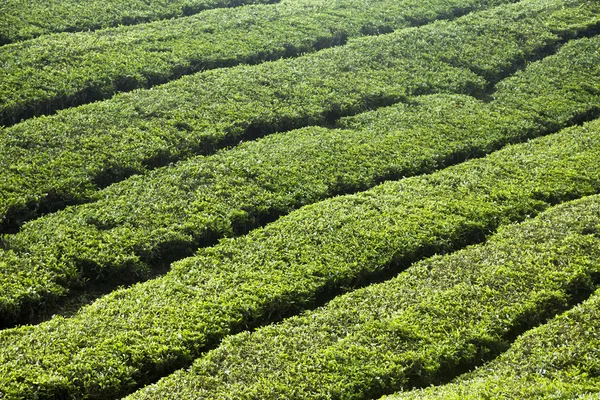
{"x": 300, "y": 199}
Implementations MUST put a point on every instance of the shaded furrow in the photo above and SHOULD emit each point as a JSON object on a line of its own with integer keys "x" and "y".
{"x": 142, "y": 224}
{"x": 133, "y": 336}
{"x": 441, "y": 316}
{"x": 59, "y": 71}
{"x": 49, "y": 162}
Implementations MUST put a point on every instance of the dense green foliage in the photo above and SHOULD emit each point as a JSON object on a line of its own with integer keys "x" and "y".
{"x": 48, "y": 161}
{"x": 558, "y": 360}
{"x": 58, "y": 71}
{"x": 24, "y": 20}
{"x": 312, "y": 157}
{"x": 132, "y": 336}
{"x": 442, "y": 315}
{"x": 145, "y": 221}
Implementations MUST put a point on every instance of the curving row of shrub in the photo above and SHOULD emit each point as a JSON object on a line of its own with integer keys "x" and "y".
{"x": 48, "y": 162}
{"x": 138, "y": 225}
{"x": 133, "y": 336}
{"x": 25, "y": 20}
{"x": 59, "y": 71}
{"x": 558, "y": 360}
{"x": 143, "y": 223}
{"x": 441, "y": 316}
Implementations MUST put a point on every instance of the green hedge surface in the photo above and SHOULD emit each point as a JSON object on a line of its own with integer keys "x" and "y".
{"x": 558, "y": 360}
{"x": 48, "y": 162}
{"x": 444, "y": 314}
{"x": 140, "y": 224}
{"x": 133, "y": 336}
{"x": 413, "y": 211}
{"x": 57, "y": 71}
{"x": 23, "y": 20}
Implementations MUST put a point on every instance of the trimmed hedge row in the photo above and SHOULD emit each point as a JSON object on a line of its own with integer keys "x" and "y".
{"x": 49, "y": 161}
{"x": 444, "y": 314}
{"x": 558, "y": 360}
{"x": 133, "y": 336}
{"x": 25, "y": 20}
{"x": 170, "y": 212}
{"x": 147, "y": 221}
{"x": 59, "y": 71}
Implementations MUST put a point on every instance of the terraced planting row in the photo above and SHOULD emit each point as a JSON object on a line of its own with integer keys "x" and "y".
{"x": 52, "y": 161}
{"x": 58, "y": 71}
{"x": 556, "y": 360}
{"x": 40, "y": 17}
{"x": 143, "y": 223}
{"x": 270, "y": 237}
{"x": 133, "y": 336}
{"x": 441, "y": 316}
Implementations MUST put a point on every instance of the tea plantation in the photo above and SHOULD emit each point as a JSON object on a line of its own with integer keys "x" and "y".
{"x": 300, "y": 199}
